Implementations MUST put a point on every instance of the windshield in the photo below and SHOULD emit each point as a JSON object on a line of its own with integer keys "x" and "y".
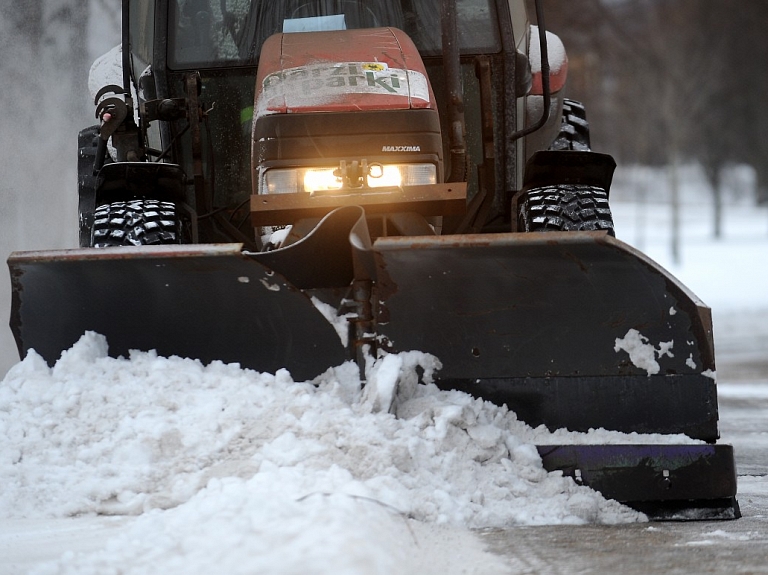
{"x": 211, "y": 33}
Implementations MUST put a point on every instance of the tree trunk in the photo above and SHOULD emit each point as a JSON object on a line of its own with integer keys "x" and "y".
{"x": 713, "y": 171}
{"x": 674, "y": 189}
{"x": 717, "y": 211}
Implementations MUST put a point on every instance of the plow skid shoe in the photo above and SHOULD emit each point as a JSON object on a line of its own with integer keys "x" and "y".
{"x": 572, "y": 330}
{"x": 208, "y": 302}
{"x": 666, "y": 482}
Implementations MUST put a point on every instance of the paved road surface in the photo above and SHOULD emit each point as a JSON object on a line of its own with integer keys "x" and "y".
{"x": 731, "y": 547}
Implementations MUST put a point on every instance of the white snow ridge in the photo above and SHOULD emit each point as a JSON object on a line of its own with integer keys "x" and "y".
{"x": 233, "y": 470}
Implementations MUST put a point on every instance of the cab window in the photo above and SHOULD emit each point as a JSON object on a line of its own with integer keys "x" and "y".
{"x": 213, "y": 33}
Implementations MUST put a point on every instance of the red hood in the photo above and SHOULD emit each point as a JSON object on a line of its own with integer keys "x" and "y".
{"x": 341, "y": 71}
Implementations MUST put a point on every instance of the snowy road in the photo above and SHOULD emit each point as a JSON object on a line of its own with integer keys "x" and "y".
{"x": 685, "y": 548}
{"x": 704, "y": 547}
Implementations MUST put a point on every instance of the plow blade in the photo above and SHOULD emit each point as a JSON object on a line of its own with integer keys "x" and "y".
{"x": 209, "y": 302}
{"x": 570, "y": 330}
{"x": 666, "y": 482}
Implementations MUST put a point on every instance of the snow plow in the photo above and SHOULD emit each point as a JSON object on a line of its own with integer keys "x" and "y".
{"x": 298, "y": 184}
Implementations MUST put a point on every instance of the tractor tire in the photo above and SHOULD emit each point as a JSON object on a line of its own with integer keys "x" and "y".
{"x": 565, "y": 207}
{"x": 574, "y": 128}
{"x": 87, "y": 141}
{"x": 136, "y": 223}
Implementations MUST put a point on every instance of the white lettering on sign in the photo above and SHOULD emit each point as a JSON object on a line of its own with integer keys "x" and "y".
{"x": 401, "y": 148}
{"x": 318, "y": 81}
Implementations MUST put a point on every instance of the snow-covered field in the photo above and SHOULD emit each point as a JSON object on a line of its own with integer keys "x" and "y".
{"x": 729, "y": 274}
{"x": 155, "y": 465}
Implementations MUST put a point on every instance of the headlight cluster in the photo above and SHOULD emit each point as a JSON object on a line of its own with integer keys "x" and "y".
{"x": 319, "y": 179}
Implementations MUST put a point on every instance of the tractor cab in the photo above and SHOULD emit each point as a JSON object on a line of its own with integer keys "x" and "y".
{"x": 467, "y": 62}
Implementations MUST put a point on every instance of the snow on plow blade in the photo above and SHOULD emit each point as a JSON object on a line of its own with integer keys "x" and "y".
{"x": 209, "y": 302}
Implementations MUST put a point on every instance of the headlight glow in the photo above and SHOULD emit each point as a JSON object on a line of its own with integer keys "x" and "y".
{"x": 316, "y": 179}
{"x": 320, "y": 179}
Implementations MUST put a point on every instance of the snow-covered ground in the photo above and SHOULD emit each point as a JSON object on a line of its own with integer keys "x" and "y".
{"x": 729, "y": 274}
{"x": 155, "y": 465}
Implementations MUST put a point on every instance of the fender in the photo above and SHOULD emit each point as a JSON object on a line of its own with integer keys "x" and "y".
{"x": 558, "y": 63}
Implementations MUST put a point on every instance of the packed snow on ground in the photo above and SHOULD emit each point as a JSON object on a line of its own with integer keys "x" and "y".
{"x": 230, "y": 470}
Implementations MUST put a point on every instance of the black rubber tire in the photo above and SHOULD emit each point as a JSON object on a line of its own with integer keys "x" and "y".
{"x": 87, "y": 142}
{"x": 574, "y": 128}
{"x": 135, "y": 223}
{"x": 565, "y": 207}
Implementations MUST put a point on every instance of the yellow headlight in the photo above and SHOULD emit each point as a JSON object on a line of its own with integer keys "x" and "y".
{"x": 316, "y": 179}
{"x": 319, "y": 179}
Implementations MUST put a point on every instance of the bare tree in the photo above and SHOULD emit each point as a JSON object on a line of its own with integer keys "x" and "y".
{"x": 748, "y": 86}
{"x": 668, "y": 81}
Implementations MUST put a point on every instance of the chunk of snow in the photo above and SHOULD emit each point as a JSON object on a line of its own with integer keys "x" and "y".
{"x": 269, "y": 286}
{"x": 665, "y": 347}
{"x": 339, "y": 322}
{"x": 641, "y": 353}
{"x": 277, "y": 237}
{"x": 381, "y": 384}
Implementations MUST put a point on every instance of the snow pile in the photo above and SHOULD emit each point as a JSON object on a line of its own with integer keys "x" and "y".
{"x": 230, "y": 470}
{"x": 114, "y": 436}
{"x": 260, "y": 526}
